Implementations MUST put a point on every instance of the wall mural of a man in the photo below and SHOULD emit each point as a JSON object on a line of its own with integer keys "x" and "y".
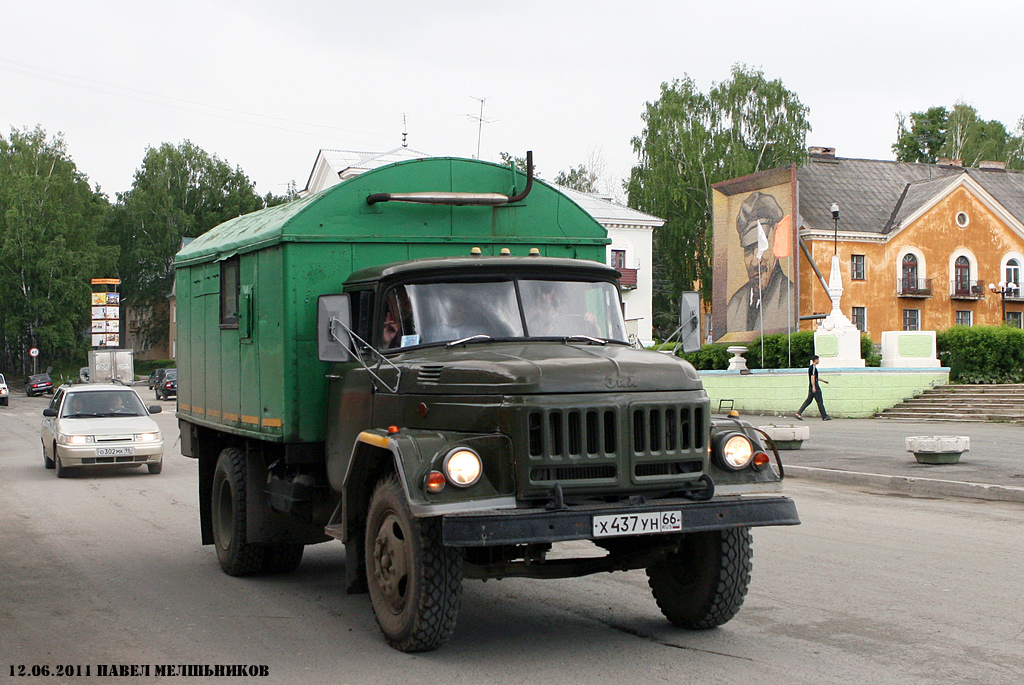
{"x": 767, "y": 289}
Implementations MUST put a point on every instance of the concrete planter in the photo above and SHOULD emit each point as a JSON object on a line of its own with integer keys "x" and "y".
{"x": 787, "y": 437}
{"x": 938, "y": 449}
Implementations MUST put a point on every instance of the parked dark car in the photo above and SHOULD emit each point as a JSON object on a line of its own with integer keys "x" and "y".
{"x": 168, "y": 385}
{"x": 37, "y": 384}
{"x": 155, "y": 378}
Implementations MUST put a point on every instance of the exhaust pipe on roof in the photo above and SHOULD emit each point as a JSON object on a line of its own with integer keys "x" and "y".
{"x": 459, "y": 199}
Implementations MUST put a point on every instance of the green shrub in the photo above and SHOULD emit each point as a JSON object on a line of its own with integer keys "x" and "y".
{"x": 779, "y": 350}
{"x": 144, "y": 367}
{"x": 982, "y": 354}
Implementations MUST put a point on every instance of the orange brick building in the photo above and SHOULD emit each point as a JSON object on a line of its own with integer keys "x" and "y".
{"x": 919, "y": 244}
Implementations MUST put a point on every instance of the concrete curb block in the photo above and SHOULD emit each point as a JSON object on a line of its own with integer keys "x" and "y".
{"x": 907, "y": 484}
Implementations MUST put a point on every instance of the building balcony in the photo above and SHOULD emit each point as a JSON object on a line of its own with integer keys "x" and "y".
{"x": 966, "y": 290}
{"x": 914, "y": 287}
{"x": 628, "y": 279}
{"x": 1014, "y": 295}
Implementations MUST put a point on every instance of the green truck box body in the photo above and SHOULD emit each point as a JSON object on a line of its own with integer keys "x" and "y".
{"x": 260, "y": 377}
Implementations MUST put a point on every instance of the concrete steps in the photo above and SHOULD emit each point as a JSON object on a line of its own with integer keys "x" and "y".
{"x": 1004, "y": 403}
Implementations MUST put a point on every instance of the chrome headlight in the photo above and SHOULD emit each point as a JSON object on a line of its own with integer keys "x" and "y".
{"x": 462, "y": 467}
{"x": 734, "y": 451}
{"x": 76, "y": 439}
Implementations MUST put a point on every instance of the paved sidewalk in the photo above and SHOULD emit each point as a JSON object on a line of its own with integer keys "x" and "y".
{"x": 872, "y": 452}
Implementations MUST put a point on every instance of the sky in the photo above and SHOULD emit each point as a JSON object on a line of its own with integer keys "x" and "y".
{"x": 265, "y": 85}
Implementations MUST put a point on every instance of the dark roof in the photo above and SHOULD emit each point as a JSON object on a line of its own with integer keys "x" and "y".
{"x": 868, "y": 191}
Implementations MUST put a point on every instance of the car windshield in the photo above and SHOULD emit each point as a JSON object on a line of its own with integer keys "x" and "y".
{"x": 102, "y": 403}
{"x": 171, "y": 376}
{"x": 425, "y": 313}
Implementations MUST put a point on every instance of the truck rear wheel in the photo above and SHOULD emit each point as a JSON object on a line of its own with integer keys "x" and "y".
{"x": 415, "y": 582}
{"x": 703, "y": 584}
{"x": 237, "y": 556}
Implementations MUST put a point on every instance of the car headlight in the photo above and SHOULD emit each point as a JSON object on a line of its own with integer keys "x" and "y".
{"x": 76, "y": 439}
{"x": 3, "y": 391}
{"x": 462, "y": 467}
{"x": 734, "y": 451}
{"x": 147, "y": 437}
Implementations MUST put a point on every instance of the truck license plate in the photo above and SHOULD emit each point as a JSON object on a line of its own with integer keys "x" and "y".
{"x": 115, "y": 451}
{"x": 638, "y": 524}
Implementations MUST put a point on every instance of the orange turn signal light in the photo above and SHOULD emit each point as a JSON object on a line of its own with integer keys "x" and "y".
{"x": 760, "y": 460}
{"x": 435, "y": 481}
{"x": 392, "y": 430}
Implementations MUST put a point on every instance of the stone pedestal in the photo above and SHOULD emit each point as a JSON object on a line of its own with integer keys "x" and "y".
{"x": 737, "y": 362}
{"x": 909, "y": 349}
{"x": 787, "y": 437}
{"x": 837, "y": 340}
{"x": 938, "y": 449}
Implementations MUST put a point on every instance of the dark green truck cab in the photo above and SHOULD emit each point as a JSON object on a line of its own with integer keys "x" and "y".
{"x": 470, "y": 413}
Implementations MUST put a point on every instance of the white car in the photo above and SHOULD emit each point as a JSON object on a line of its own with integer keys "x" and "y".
{"x": 5, "y": 393}
{"x": 100, "y": 425}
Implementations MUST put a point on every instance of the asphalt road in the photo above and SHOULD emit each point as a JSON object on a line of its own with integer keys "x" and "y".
{"x": 106, "y": 568}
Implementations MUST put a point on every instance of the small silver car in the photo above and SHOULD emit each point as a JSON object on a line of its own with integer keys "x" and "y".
{"x": 99, "y": 425}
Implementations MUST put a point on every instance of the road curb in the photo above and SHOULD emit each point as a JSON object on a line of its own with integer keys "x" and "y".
{"x": 910, "y": 485}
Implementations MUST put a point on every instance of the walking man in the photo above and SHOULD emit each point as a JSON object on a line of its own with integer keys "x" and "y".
{"x": 814, "y": 391}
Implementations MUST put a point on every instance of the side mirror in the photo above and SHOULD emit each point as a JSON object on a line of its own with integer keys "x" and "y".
{"x": 49, "y": 412}
{"x": 333, "y": 320}
{"x": 689, "y": 321}
{"x": 155, "y": 409}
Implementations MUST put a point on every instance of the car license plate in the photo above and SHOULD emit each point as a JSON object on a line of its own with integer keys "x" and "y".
{"x": 115, "y": 451}
{"x": 638, "y": 524}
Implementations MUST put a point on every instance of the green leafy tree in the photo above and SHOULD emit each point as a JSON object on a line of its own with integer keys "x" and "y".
{"x": 180, "y": 191}
{"x": 693, "y": 139}
{"x": 50, "y": 218}
{"x": 960, "y": 134}
{"x": 924, "y": 138}
{"x": 578, "y": 178}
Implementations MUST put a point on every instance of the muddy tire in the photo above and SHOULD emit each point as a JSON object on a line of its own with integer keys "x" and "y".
{"x": 237, "y": 556}
{"x": 415, "y": 582}
{"x": 59, "y": 468}
{"x": 703, "y": 585}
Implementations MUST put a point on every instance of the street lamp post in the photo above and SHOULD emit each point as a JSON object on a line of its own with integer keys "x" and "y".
{"x": 1003, "y": 289}
{"x": 835, "y": 234}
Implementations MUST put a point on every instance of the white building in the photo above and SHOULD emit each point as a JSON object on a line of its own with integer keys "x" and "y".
{"x": 632, "y": 232}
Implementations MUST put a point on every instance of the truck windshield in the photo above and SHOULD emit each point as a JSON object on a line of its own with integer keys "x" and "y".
{"x": 425, "y": 313}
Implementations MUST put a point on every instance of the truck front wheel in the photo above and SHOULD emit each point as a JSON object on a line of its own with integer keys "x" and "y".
{"x": 415, "y": 582}
{"x": 703, "y": 584}
{"x": 237, "y": 556}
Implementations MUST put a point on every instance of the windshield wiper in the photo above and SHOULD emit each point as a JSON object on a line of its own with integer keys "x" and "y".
{"x": 587, "y": 338}
{"x": 460, "y": 341}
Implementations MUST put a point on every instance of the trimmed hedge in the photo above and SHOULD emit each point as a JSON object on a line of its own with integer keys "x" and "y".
{"x": 777, "y": 350}
{"x": 144, "y": 367}
{"x": 982, "y": 354}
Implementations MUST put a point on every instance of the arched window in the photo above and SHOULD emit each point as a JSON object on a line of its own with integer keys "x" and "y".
{"x": 909, "y": 279}
{"x": 962, "y": 276}
{"x": 1013, "y": 276}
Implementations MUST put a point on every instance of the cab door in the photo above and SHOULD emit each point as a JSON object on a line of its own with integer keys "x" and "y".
{"x": 49, "y": 429}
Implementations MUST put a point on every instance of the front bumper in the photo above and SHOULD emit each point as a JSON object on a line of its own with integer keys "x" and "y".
{"x": 86, "y": 455}
{"x": 529, "y": 526}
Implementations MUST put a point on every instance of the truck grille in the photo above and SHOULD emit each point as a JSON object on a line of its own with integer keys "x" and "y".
{"x": 654, "y": 429}
{"x": 648, "y": 445}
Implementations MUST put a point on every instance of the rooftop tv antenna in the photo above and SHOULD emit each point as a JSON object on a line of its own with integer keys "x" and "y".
{"x": 405, "y": 132}
{"x": 480, "y": 122}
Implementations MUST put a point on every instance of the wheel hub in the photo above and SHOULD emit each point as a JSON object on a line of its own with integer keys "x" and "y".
{"x": 391, "y": 563}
